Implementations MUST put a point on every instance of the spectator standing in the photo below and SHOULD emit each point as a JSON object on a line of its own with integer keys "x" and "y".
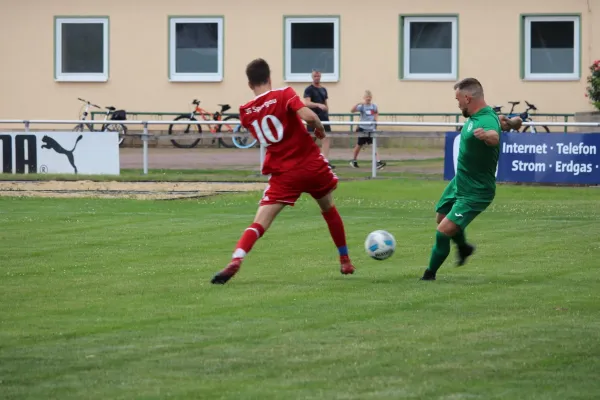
{"x": 368, "y": 115}
{"x": 315, "y": 98}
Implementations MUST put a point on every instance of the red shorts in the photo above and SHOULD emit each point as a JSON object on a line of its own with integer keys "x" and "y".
{"x": 315, "y": 178}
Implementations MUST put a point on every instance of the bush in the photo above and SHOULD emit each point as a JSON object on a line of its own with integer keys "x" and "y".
{"x": 593, "y": 88}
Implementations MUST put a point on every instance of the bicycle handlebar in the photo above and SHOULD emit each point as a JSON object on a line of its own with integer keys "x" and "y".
{"x": 87, "y": 102}
{"x": 531, "y": 106}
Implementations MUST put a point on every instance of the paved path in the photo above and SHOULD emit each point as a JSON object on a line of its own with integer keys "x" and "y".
{"x": 203, "y": 158}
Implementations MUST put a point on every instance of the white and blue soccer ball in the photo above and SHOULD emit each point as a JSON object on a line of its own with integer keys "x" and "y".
{"x": 380, "y": 245}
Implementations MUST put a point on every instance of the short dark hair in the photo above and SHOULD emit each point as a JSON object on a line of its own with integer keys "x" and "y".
{"x": 471, "y": 85}
{"x": 258, "y": 72}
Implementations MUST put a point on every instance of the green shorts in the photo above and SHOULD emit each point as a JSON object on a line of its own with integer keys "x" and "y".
{"x": 461, "y": 211}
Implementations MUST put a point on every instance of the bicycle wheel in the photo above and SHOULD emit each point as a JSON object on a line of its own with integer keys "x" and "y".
{"x": 528, "y": 128}
{"x": 227, "y": 141}
{"x": 241, "y": 142}
{"x": 174, "y": 129}
{"x": 78, "y": 128}
{"x": 119, "y": 128}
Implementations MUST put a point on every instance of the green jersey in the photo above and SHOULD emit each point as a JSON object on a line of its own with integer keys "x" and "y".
{"x": 477, "y": 162}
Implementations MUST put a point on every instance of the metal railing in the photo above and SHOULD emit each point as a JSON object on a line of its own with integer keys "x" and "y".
{"x": 550, "y": 117}
{"x": 145, "y": 135}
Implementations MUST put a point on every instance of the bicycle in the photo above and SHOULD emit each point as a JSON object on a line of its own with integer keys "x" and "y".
{"x": 237, "y": 141}
{"x": 525, "y": 116}
{"x": 116, "y": 115}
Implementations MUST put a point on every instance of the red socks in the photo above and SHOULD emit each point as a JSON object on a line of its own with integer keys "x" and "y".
{"x": 336, "y": 229}
{"x": 256, "y": 231}
{"x": 246, "y": 242}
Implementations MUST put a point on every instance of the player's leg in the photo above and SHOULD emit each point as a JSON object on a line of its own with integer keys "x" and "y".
{"x": 441, "y": 247}
{"x": 336, "y": 230}
{"x": 446, "y": 202}
{"x": 262, "y": 221}
{"x": 464, "y": 248}
{"x": 320, "y": 184}
{"x": 275, "y": 197}
{"x": 453, "y": 223}
{"x": 472, "y": 209}
{"x": 440, "y": 250}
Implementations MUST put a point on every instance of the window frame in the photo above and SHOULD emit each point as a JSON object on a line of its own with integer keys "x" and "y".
{"x": 217, "y": 76}
{"x": 288, "y": 76}
{"x": 60, "y": 76}
{"x": 526, "y": 73}
{"x": 405, "y": 73}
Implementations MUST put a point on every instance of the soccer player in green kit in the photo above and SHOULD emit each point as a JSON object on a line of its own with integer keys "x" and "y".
{"x": 473, "y": 188}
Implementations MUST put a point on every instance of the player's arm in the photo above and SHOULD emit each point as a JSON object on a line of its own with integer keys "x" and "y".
{"x": 311, "y": 119}
{"x": 488, "y": 134}
{"x": 510, "y": 123}
{"x": 306, "y": 114}
{"x": 491, "y": 138}
{"x": 489, "y": 131}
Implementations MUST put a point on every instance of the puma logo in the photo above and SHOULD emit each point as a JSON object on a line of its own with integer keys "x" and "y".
{"x": 50, "y": 143}
{"x": 458, "y": 215}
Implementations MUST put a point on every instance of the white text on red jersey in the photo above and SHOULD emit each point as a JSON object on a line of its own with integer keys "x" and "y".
{"x": 256, "y": 109}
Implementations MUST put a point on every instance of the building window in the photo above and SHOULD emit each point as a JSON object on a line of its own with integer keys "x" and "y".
{"x": 312, "y": 43}
{"x": 81, "y": 49}
{"x": 551, "y": 47}
{"x": 429, "y": 48}
{"x": 196, "y": 49}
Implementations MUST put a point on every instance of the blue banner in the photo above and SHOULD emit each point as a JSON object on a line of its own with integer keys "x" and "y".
{"x": 565, "y": 158}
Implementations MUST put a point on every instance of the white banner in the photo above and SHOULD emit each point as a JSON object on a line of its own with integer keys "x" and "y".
{"x": 87, "y": 153}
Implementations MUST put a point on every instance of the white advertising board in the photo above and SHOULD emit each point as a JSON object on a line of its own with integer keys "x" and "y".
{"x": 87, "y": 153}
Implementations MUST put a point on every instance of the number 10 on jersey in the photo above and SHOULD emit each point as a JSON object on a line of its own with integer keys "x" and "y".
{"x": 264, "y": 133}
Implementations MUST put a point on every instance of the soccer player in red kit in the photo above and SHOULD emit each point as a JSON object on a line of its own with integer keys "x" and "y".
{"x": 293, "y": 161}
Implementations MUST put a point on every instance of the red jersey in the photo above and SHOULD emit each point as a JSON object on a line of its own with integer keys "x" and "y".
{"x": 271, "y": 118}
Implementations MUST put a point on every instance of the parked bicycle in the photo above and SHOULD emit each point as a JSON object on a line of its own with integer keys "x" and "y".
{"x": 112, "y": 112}
{"x": 525, "y": 116}
{"x": 230, "y": 141}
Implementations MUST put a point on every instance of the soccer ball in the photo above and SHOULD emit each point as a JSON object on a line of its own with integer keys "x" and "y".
{"x": 380, "y": 245}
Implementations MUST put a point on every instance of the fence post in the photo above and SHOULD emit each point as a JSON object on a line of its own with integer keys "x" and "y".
{"x": 145, "y": 148}
{"x": 350, "y": 142}
{"x": 374, "y": 156}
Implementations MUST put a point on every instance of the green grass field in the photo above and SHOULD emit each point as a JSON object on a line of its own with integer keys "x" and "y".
{"x": 110, "y": 299}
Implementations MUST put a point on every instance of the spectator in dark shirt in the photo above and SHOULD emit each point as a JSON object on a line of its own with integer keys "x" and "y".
{"x": 315, "y": 98}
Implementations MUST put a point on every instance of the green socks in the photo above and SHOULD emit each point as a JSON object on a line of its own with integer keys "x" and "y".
{"x": 459, "y": 238}
{"x": 440, "y": 251}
